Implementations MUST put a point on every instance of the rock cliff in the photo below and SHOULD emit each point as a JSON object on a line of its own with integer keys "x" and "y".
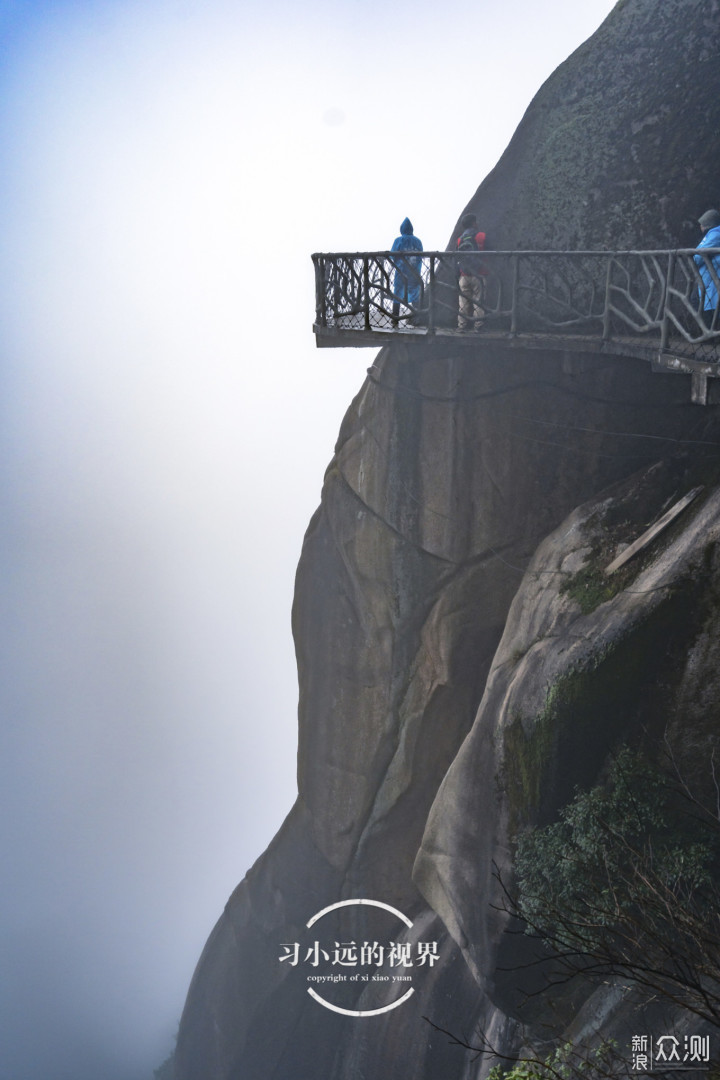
{"x": 433, "y": 618}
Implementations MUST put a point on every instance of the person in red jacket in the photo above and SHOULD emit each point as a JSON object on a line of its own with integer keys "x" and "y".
{"x": 471, "y": 275}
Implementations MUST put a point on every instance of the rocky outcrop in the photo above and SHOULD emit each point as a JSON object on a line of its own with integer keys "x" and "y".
{"x": 587, "y": 663}
{"x": 431, "y": 620}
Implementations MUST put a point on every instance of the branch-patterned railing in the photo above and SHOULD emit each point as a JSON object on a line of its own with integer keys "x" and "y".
{"x": 656, "y": 295}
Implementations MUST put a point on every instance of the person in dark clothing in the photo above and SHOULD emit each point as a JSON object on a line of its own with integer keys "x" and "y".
{"x": 406, "y": 279}
{"x": 471, "y": 276}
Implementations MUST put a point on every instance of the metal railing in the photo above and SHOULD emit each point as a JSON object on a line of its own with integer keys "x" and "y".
{"x": 656, "y": 296}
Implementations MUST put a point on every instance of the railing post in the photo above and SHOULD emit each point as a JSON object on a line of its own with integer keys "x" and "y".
{"x": 336, "y": 292}
{"x": 431, "y": 296}
{"x": 320, "y": 293}
{"x": 514, "y": 297}
{"x": 366, "y": 290}
{"x": 606, "y": 308}
{"x": 665, "y": 325}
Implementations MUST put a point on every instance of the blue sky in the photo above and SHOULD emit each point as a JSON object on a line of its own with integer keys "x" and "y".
{"x": 167, "y": 170}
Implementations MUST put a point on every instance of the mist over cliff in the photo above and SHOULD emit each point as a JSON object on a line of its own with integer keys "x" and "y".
{"x": 451, "y": 688}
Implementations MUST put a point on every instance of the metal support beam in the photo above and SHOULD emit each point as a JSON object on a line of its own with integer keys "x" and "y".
{"x": 698, "y": 388}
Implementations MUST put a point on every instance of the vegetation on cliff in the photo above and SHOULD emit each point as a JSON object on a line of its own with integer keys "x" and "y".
{"x": 625, "y": 884}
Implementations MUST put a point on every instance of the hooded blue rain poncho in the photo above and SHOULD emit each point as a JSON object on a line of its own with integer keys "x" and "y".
{"x": 710, "y": 298}
{"x": 406, "y": 279}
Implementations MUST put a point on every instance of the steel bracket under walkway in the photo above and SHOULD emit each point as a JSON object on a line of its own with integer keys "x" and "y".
{"x": 698, "y": 370}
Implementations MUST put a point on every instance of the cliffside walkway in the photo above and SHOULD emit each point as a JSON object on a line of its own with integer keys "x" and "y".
{"x": 624, "y": 303}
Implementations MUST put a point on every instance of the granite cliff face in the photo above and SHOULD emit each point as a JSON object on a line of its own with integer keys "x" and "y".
{"x": 430, "y": 618}
{"x": 618, "y": 148}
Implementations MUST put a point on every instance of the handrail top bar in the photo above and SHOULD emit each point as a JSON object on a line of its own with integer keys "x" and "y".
{"x": 416, "y": 254}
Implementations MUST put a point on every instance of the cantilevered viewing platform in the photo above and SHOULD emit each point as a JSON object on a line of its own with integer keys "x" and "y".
{"x": 645, "y": 304}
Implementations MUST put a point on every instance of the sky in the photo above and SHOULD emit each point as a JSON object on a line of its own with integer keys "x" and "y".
{"x": 167, "y": 167}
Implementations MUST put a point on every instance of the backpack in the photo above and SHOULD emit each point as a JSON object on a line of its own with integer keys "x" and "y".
{"x": 467, "y": 241}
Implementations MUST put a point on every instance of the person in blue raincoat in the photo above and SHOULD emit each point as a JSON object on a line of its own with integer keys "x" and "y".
{"x": 710, "y": 225}
{"x": 406, "y": 279}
